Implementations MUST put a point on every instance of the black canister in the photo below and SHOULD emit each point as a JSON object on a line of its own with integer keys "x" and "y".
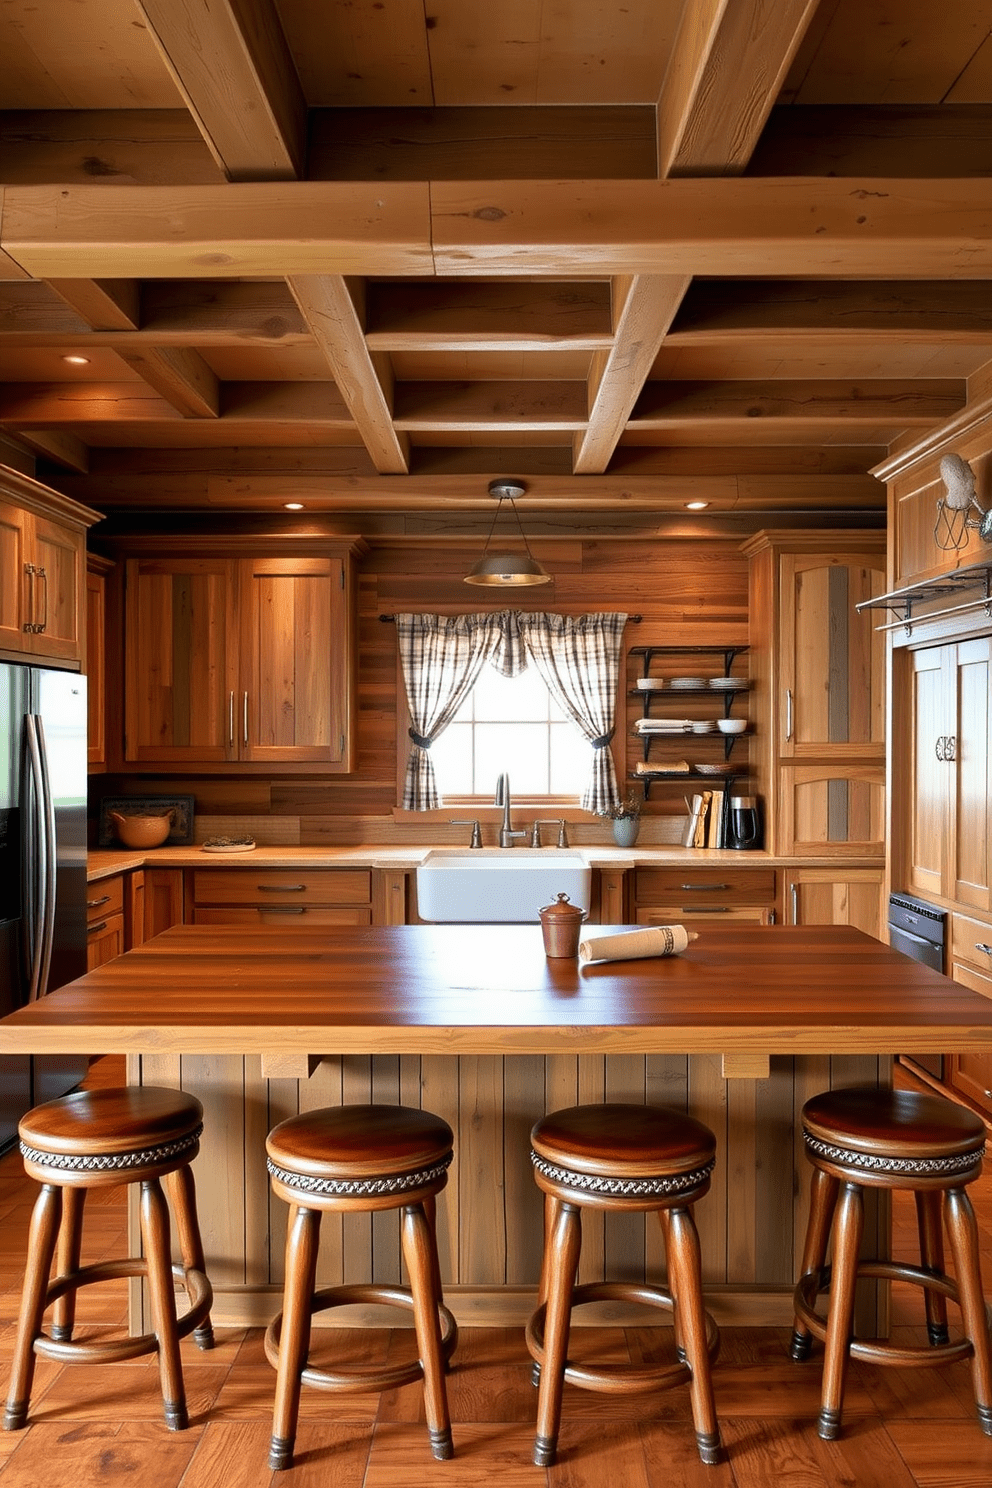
{"x": 744, "y": 823}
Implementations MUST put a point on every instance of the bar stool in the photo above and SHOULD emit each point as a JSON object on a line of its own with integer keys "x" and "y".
{"x": 897, "y": 1140}
{"x": 97, "y": 1139}
{"x": 340, "y": 1160}
{"x": 621, "y": 1158}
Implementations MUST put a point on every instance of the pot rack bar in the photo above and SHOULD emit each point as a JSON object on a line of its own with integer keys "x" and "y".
{"x": 901, "y": 602}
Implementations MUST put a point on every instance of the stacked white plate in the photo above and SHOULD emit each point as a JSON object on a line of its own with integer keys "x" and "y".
{"x": 704, "y": 726}
{"x": 650, "y": 684}
{"x": 728, "y": 684}
{"x": 688, "y": 681}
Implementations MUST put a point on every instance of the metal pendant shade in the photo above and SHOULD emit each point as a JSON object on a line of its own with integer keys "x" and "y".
{"x": 501, "y": 569}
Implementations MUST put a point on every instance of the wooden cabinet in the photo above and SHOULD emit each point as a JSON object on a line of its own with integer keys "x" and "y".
{"x": 104, "y": 921}
{"x": 42, "y": 571}
{"x": 950, "y": 776}
{"x": 247, "y": 896}
{"x": 834, "y": 896}
{"x": 96, "y": 652}
{"x": 818, "y": 680}
{"x": 247, "y": 660}
{"x": 693, "y": 896}
{"x": 971, "y": 964}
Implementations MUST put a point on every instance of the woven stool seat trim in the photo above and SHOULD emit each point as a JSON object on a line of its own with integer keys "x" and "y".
{"x": 396, "y": 1183}
{"x": 912, "y": 1167}
{"x": 69, "y": 1162}
{"x": 673, "y": 1183}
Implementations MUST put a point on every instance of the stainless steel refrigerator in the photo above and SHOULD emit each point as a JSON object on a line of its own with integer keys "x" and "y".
{"x": 42, "y": 866}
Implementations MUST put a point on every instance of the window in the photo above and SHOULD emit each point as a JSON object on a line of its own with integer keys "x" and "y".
{"x": 512, "y": 724}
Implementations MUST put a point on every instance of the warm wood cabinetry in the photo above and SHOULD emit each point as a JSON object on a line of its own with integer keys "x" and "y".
{"x": 42, "y": 571}
{"x": 835, "y": 896}
{"x": 104, "y": 921}
{"x": 700, "y": 897}
{"x": 252, "y": 896}
{"x": 240, "y": 659}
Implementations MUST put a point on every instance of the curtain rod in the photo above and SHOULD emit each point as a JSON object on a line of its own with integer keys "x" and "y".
{"x": 391, "y": 619}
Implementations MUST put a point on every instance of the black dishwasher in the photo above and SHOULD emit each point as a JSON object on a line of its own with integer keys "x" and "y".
{"x": 919, "y": 930}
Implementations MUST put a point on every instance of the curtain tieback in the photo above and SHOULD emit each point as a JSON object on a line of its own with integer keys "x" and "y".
{"x": 421, "y": 740}
{"x": 604, "y": 740}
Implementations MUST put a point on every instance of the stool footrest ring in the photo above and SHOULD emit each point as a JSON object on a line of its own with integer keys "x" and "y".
{"x": 357, "y": 1379}
{"x": 113, "y": 1351}
{"x": 632, "y": 1379}
{"x": 875, "y": 1351}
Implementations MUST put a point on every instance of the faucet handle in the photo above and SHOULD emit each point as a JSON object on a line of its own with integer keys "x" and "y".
{"x": 469, "y": 822}
{"x": 562, "y": 834}
{"x": 548, "y": 821}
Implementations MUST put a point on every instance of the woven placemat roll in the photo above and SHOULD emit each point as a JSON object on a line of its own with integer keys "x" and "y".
{"x": 631, "y": 945}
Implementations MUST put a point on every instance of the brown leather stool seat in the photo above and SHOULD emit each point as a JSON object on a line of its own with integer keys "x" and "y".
{"x": 622, "y": 1158}
{"x": 891, "y": 1139}
{"x": 344, "y": 1159}
{"x": 98, "y": 1139}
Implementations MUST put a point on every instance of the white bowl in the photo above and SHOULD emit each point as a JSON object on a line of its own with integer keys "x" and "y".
{"x": 731, "y": 725}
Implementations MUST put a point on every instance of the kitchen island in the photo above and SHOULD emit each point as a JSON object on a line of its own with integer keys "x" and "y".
{"x": 474, "y": 1023}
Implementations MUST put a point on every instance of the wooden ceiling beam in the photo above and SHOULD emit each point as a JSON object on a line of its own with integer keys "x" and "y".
{"x": 840, "y": 229}
{"x": 27, "y": 405}
{"x": 915, "y": 401}
{"x": 334, "y": 311}
{"x": 231, "y": 63}
{"x": 464, "y": 407}
{"x": 726, "y": 70}
{"x": 645, "y": 306}
{"x": 104, "y": 304}
{"x": 218, "y": 232}
{"x": 178, "y": 374}
{"x": 57, "y": 446}
{"x": 719, "y": 311}
{"x": 521, "y": 316}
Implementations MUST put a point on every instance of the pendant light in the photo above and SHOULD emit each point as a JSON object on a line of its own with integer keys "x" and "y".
{"x": 502, "y": 569}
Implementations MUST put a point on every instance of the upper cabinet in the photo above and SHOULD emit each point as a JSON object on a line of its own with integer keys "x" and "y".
{"x": 246, "y": 659}
{"x": 42, "y": 572}
{"x": 818, "y": 680}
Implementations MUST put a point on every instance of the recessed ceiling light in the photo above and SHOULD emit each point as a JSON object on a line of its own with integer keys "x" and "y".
{"x": 696, "y": 505}
{"x": 77, "y": 361}
{"x": 293, "y": 505}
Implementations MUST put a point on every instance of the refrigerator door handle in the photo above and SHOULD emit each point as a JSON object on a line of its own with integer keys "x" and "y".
{"x": 34, "y": 870}
{"x": 49, "y": 863}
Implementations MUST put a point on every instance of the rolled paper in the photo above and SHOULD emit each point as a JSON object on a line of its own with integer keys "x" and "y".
{"x": 631, "y": 945}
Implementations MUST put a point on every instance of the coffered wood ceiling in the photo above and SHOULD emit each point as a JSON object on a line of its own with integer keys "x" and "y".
{"x": 368, "y": 254}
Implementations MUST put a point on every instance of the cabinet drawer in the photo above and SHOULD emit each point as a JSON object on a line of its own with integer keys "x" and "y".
{"x": 104, "y": 940}
{"x": 967, "y": 935}
{"x": 701, "y": 886}
{"x": 283, "y": 914}
{"x": 104, "y": 898}
{"x": 696, "y": 918}
{"x": 271, "y": 886}
{"x": 976, "y": 980}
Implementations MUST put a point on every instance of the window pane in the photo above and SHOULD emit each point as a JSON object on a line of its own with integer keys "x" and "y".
{"x": 519, "y": 748}
{"x": 499, "y": 698}
{"x": 570, "y": 760}
{"x": 452, "y": 756}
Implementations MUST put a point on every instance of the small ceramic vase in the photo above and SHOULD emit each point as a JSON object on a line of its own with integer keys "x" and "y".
{"x": 625, "y": 830}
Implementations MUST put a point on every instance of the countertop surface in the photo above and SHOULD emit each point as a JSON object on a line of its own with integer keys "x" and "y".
{"x": 104, "y": 862}
{"x": 483, "y": 989}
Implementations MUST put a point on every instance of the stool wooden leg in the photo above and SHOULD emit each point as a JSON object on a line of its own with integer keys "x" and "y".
{"x": 665, "y": 1220}
{"x": 182, "y": 1191}
{"x": 302, "y": 1240}
{"x": 420, "y": 1254}
{"x": 822, "y": 1202}
{"x": 564, "y": 1246}
{"x": 41, "y": 1248}
{"x": 158, "y": 1258}
{"x": 848, "y": 1228}
{"x": 962, "y": 1232}
{"x": 67, "y": 1261}
{"x": 551, "y": 1206}
{"x": 686, "y": 1283}
{"x": 928, "y": 1205}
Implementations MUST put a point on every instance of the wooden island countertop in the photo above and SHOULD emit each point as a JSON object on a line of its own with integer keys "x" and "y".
{"x": 489, "y": 989}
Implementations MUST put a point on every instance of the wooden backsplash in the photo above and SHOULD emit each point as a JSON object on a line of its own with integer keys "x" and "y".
{"x": 689, "y": 591}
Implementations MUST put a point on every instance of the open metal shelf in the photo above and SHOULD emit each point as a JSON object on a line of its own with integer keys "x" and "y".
{"x": 900, "y": 602}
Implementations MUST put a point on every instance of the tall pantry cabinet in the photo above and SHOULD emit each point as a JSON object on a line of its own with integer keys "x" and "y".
{"x": 818, "y": 703}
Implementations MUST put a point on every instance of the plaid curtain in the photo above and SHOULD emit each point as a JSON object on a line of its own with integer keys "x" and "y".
{"x": 577, "y": 656}
{"x": 441, "y": 656}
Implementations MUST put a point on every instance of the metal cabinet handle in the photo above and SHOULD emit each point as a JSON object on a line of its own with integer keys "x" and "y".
{"x": 938, "y": 748}
{"x": 701, "y": 888}
{"x": 94, "y": 903}
{"x": 42, "y": 625}
{"x": 795, "y": 904}
{"x": 281, "y": 888}
{"x": 245, "y": 719}
{"x": 284, "y": 909}
{"x": 951, "y": 747}
{"x": 986, "y": 950}
{"x": 694, "y": 909}
{"x": 92, "y": 929}
{"x": 788, "y": 715}
{"x": 28, "y": 626}
{"x": 230, "y": 718}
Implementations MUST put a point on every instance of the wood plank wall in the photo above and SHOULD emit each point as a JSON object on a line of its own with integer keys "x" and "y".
{"x": 690, "y": 591}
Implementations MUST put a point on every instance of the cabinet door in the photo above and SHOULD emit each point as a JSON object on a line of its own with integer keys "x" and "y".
{"x": 832, "y": 812}
{"x": 181, "y": 664}
{"x": 13, "y": 613}
{"x": 162, "y": 900}
{"x": 971, "y": 776}
{"x": 930, "y": 803}
{"x": 104, "y": 941}
{"x": 827, "y": 896}
{"x": 833, "y": 659}
{"x": 59, "y": 561}
{"x": 294, "y": 666}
